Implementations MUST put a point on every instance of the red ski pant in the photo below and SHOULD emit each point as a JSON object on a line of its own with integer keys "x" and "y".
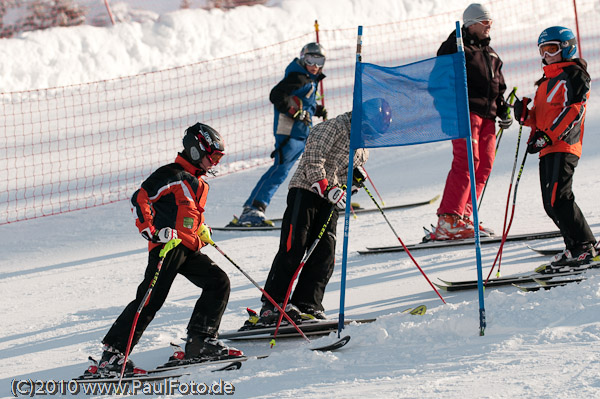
{"x": 457, "y": 193}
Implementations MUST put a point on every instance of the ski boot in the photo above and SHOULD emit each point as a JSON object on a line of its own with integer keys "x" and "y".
{"x": 251, "y": 217}
{"x": 269, "y": 316}
{"x": 110, "y": 365}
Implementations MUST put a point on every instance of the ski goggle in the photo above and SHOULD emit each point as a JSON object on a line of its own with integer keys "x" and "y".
{"x": 215, "y": 157}
{"x": 314, "y": 60}
{"x": 487, "y": 22}
{"x": 549, "y": 49}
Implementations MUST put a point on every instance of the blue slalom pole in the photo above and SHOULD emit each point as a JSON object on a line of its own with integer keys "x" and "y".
{"x": 354, "y": 130}
{"x": 467, "y": 122}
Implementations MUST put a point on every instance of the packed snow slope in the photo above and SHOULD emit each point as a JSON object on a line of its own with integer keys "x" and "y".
{"x": 64, "y": 279}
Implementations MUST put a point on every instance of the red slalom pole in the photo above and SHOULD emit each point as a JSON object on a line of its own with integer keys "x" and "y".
{"x": 404, "y": 246}
{"x": 163, "y": 254}
{"x": 204, "y": 234}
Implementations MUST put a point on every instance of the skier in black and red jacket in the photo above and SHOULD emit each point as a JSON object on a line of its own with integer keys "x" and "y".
{"x": 557, "y": 123}
{"x": 170, "y": 204}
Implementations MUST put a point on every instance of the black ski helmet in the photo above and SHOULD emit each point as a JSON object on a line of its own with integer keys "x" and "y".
{"x": 312, "y": 49}
{"x": 201, "y": 140}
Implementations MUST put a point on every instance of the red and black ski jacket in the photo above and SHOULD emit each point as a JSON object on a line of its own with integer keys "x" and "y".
{"x": 485, "y": 81}
{"x": 172, "y": 196}
{"x": 559, "y": 106}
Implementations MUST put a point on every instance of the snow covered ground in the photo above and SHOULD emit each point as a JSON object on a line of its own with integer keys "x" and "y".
{"x": 64, "y": 279}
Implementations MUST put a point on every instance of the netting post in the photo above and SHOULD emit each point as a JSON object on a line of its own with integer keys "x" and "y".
{"x": 577, "y": 28}
{"x": 110, "y": 14}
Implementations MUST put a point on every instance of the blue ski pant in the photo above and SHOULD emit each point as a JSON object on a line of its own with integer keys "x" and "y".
{"x": 287, "y": 152}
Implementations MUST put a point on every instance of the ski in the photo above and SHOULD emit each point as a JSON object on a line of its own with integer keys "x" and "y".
{"x": 308, "y": 327}
{"x": 313, "y": 327}
{"x": 159, "y": 373}
{"x": 546, "y": 285}
{"x": 333, "y": 346}
{"x": 516, "y": 279}
{"x": 546, "y": 252}
{"x": 358, "y": 210}
{"x": 453, "y": 243}
{"x": 246, "y": 228}
{"x": 554, "y": 283}
{"x": 470, "y": 285}
{"x": 126, "y": 379}
{"x": 501, "y": 281}
{"x": 394, "y": 207}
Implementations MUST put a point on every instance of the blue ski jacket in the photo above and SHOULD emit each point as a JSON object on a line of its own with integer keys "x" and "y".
{"x": 297, "y": 82}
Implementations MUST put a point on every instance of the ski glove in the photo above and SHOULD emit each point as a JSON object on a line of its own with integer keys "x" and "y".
{"x": 164, "y": 235}
{"x": 296, "y": 112}
{"x": 321, "y": 112}
{"x": 538, "y": 141}
{"x": 505, "y": 118}
{"x": 334, "y": 194}
{"x": 303, "y": 116}
{"x": 295, "y": 105}
{"x": 359, "y": 175}
{"x": 520, "y": 109}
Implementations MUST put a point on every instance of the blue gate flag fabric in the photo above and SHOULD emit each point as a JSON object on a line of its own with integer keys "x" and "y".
{"x": 417, "y": 103}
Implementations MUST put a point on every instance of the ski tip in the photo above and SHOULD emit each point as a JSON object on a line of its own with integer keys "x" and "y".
{"x": 230, "y": 366}
{"x": 334, "y": 346}
{"x": 419, "y": 310}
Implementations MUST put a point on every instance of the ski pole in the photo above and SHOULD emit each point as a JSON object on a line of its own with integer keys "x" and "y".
{"x": 321, "y": 82}
{"x": 374, "y": 188}
{"x": 163, "y": 253}
{"x": 204, "y": 234}
{"x": 504, "y": 228}
{"x": 511, "y": 99}
{"x": 302, "y": 263}
{"x": 512, "y": 214}
{"x": 403, "y": 246}
{"x": 498, "y": 138}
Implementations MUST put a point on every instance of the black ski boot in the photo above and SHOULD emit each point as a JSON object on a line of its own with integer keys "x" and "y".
{"x": 575, "y": 257}
{"x": 269, "y": 315}
{"x": 199, "y": 348}
{"x": 111, "y": 363}
{"x": 311, "y": 313}
{"x": 252, "y": 320}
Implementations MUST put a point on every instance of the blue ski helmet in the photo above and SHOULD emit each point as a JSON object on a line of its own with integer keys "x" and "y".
{"x": 377, "y": 116}
{"x": 202, "y": 140}
{"x": 563, "y": 36}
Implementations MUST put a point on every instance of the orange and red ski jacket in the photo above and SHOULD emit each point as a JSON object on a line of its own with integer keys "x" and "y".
{"x": 559, "y": 106}
{"x": 172, "y": 196}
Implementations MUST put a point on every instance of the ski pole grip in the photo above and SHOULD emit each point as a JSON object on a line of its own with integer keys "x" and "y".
{"x": 204, "y": 234}
{"x": 169, "y": 246}
{"x": 512, "y": 95}
{"x": 525, "y": 101}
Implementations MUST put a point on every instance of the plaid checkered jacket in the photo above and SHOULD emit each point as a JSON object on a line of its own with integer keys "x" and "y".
{"x": 326, "y": 154}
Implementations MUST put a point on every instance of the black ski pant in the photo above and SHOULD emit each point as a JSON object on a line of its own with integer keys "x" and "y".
{"x": 556, "y": 180}
{"x": 303, "y": 219}
{"x": 200, "y": 270}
